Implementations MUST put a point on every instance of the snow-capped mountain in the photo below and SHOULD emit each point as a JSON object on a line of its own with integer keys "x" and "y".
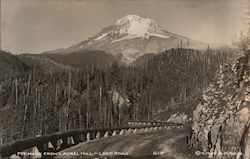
{"x": 131, "y": 37}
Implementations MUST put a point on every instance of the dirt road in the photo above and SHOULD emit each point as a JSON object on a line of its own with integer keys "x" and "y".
{"x": 167, "y": 144}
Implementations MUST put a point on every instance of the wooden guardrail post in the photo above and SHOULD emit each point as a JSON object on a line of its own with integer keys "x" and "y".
{"x": 70, "y": 141}
{"x": 50, "y": 146}
{"x": 59, "y": 142}
{"x": 65, "y": 144}
{"x": 135, "y": 130}
{"x": 98, "y": 135}
{"x": 91, "y": 136}
{"x": 129, "y": 131}
{"x": 114, "y": 133}
{"x": 88, "y": 136}
{"x": 54, "y": 143}
{"x": 106, "y": 134}
{"x": 122, "y": 132}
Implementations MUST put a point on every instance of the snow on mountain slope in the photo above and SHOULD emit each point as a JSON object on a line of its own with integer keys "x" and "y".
{"x": 131, "y": 37}
{"x": 134, "y": 26}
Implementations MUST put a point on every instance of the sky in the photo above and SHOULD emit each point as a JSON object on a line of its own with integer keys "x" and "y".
{"x": 35, "y": 26}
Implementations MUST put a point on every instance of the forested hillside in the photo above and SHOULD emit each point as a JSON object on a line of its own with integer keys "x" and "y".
{"x": 43, "y": 101}
{"x": 10, "y": 66}
{"x": 83, "y": 58}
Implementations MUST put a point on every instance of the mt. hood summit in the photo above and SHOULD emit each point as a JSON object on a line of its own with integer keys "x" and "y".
{"x": 131, "y": 37}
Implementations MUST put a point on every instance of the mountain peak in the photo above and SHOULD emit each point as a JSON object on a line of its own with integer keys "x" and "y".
{"x": 130, "y": 18}
{"x": 135, "y": 26}
{"x": 131, "y": 37}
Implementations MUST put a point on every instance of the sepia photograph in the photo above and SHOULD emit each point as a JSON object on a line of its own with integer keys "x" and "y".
{"x": 124, "y": 79}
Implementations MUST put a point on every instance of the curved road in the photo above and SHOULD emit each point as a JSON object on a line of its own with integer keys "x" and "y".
{"x": 159, "y": 144}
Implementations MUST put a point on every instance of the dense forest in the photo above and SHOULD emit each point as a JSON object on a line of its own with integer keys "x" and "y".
{"x": 40, "y": 101}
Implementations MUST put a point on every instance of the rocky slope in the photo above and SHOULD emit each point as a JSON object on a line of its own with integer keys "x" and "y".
{"x": 221, "y": 121}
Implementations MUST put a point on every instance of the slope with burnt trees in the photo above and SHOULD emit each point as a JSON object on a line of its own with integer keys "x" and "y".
{"x": 42, "y": 102}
